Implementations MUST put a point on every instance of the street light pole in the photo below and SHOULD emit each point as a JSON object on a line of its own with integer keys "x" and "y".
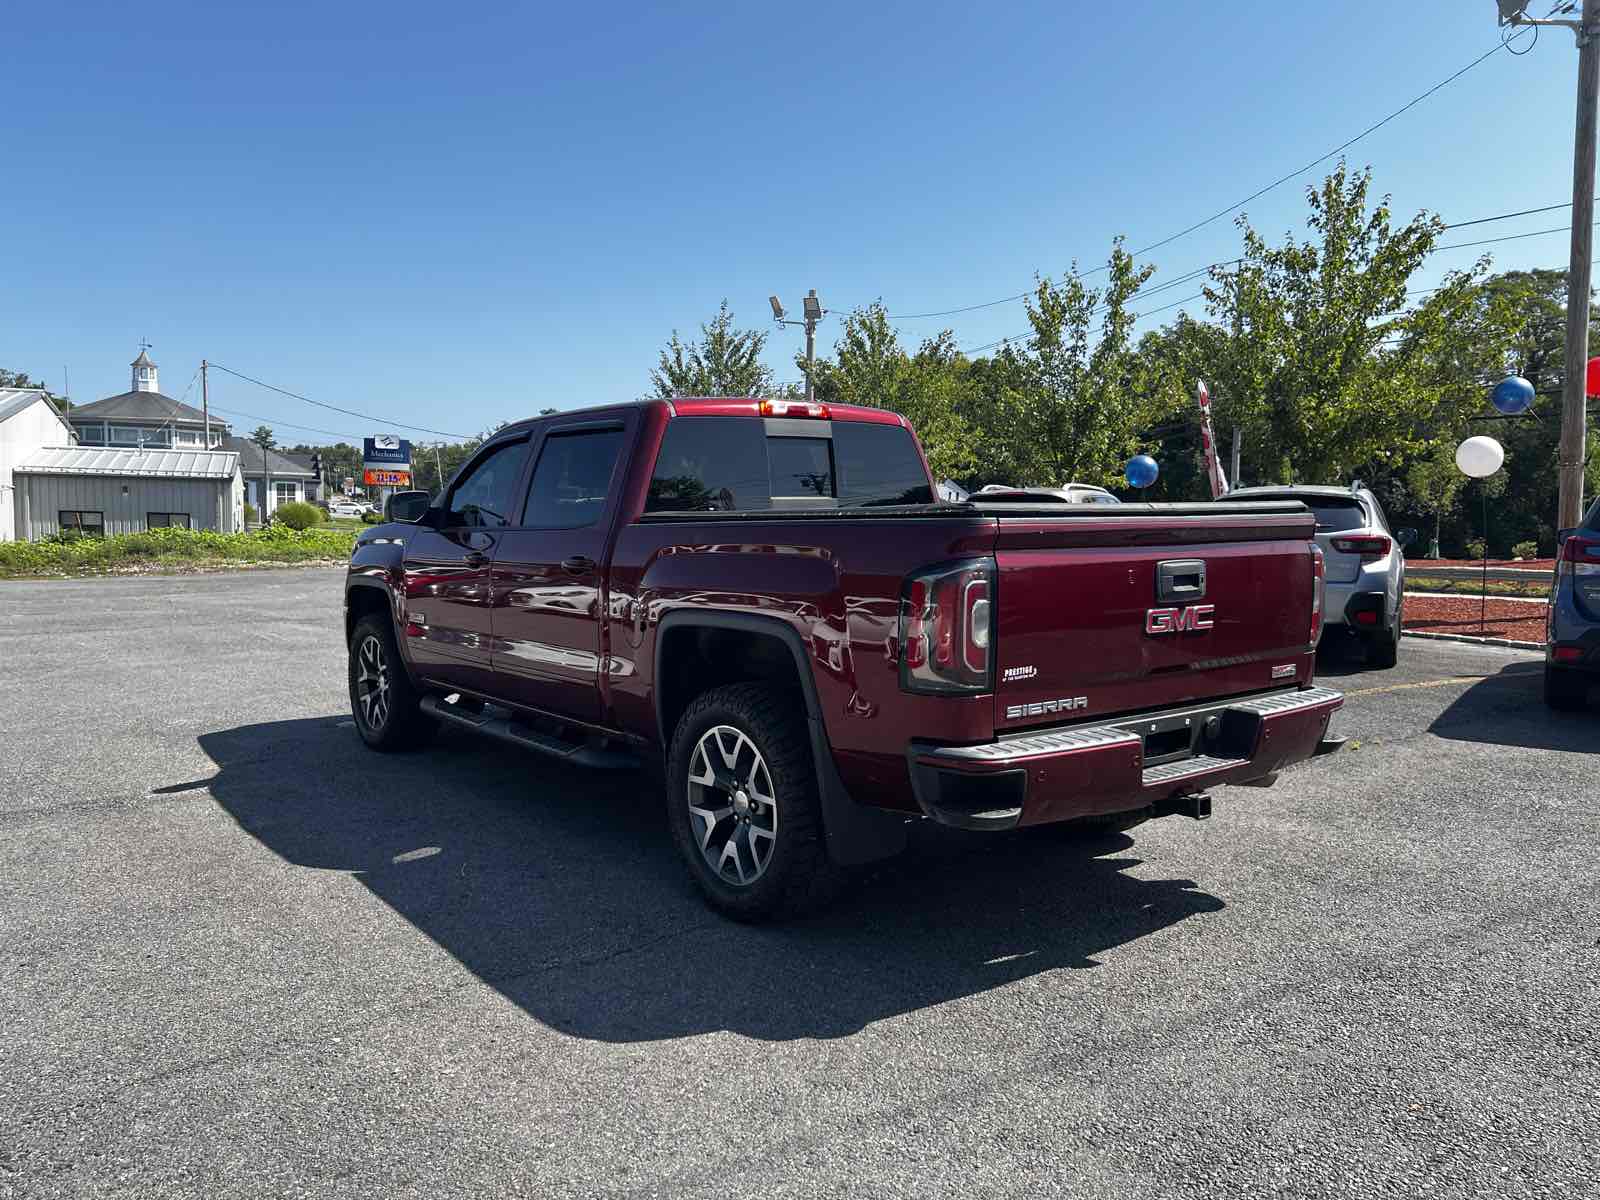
{"x": 814, "y": 312}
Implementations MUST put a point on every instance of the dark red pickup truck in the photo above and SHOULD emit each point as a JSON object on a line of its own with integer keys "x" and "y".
{"x": 764, "y": 597}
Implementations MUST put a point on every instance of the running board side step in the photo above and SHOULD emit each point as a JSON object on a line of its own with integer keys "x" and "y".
{"x": 507, "y": 729}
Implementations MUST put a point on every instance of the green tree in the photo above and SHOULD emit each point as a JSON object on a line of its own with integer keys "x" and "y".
{"x": 724, "y": 362}
{"x": 1074, "y": 402}
{"x": 1323, "y": 364}
{"x": 262, "y": 436}
{"x": 929, "y": 388}
{"x": 1434, "y": 483}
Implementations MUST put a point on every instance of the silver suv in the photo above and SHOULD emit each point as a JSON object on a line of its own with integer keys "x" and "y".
{"x": 1366, "y": 569}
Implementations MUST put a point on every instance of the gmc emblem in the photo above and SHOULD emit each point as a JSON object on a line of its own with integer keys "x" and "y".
{"x": 1179, "y": 620}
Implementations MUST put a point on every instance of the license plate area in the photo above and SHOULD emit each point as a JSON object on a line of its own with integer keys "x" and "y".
{"x": 1220, "y": 731}
{"x": 1169, "y": 739}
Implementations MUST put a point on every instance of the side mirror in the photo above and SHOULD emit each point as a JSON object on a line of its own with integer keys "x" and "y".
{"x": 406, "y": 506}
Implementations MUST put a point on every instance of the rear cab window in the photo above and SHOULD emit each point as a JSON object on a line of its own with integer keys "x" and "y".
{"x": 754, "y": 464}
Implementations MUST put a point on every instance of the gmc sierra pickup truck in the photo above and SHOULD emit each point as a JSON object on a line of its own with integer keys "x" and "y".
{"x": 764, "y": 598}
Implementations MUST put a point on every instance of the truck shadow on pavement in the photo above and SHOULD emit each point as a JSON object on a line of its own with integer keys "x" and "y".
{"x": 1508, "y": 709}
{"x": 561, "y": 890}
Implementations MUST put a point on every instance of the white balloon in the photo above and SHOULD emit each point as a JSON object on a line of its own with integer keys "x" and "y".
{"x": 1480, "y": 457}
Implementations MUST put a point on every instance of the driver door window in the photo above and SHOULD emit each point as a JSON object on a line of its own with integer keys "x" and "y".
{"x": 483, "y": 498}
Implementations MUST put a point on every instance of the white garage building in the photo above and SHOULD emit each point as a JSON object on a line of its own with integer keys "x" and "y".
{"x": 102, "y": 490}
{"x": 28, "y": 421}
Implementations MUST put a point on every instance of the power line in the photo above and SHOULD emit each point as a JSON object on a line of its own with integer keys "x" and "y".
{"x": 351, "y": 437}
{"x": 1316, "y": 162}
{"x": 349, "y": 412}
{"x": 1188, "y": 275}
{"x": 1510, "y": 237}
{"x": 1256, "y": 195}
{"x": 1527, "y": 212}
{"x": 1138, "y": 316}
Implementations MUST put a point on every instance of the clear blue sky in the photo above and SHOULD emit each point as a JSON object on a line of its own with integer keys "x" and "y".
{"x": 454, "y": 215}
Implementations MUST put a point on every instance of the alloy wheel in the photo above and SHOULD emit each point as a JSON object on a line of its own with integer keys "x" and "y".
{"x": 733, "y": 809}
{"x": 372, "y": 682}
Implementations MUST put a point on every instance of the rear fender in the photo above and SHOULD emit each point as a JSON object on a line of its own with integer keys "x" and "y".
{"x": 855, "y": 833}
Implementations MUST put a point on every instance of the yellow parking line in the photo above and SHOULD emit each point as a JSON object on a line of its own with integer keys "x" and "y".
{"x": 1426, "y": 683}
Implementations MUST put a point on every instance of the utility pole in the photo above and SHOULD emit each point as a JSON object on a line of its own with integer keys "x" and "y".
{"x": 1573, "y": 416}
{"x": 438, "y": 466}
{"x": 205, "y": 400}
{"x": 814, "y": 312}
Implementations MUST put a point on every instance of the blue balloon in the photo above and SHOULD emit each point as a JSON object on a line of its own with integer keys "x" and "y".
{"x": 1141, "y": 471}
{"x": 1512, "y": 395}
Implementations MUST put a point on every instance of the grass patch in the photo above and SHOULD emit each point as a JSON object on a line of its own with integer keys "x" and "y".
{"x": 1421, "y": 581}
{"x": 172, "y": 550}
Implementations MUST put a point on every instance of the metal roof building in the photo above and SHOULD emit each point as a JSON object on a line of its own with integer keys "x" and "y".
{"x": 99, "y": 490}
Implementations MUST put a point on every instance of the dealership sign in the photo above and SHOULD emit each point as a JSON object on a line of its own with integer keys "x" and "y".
{"x": 386, "y": 461}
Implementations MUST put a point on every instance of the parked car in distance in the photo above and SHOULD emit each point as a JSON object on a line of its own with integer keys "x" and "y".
{"x": 1572, "y": 642}
{"x": 764, "y": 599}
{"x": 1366, "y": 566}
{"x": 344, "y": 508}
{"x": 1072, "y": 493}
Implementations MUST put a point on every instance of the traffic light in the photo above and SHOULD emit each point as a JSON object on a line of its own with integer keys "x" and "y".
{"x": 316, "y": 464}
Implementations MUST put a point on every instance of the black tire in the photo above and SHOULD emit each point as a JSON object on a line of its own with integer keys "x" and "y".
{"x": 398, "y": 723}
{"x": 1383, "y": 649}
{"x": 1565, "y": 690}
{"x": 796, "y": 874}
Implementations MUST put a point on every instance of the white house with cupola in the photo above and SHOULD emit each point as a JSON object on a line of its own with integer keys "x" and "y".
{"x": 145, "y": 418}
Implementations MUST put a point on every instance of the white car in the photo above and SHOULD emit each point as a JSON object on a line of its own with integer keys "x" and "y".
{"x": 1072, "y": 493}
{"x": 1363, "y": 558}
{"x": 344, "y": 508}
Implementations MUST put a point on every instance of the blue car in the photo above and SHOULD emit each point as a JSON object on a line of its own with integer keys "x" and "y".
{"x": 1572, "y": 643}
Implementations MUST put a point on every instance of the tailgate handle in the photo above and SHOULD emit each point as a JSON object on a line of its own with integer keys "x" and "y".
{"x": 1181, "y": 579}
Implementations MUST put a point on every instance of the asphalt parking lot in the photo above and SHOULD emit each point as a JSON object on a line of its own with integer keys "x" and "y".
{"x": 245, "y": 957}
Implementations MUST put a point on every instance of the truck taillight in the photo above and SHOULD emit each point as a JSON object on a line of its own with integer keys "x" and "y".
{"x": 1319, "y": 586}
{"x": 1371, "y": 547}
{"x": 946, "y": 628}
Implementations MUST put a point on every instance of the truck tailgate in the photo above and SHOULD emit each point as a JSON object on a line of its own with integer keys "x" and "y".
{"x": 1134, "y": 611}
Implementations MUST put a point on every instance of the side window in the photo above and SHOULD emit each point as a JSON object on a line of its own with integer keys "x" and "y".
{"x": 572, "y": 479}
{"x": 1377, "y": 509}
{"x": 482, "y": 498}
{"x": 89, "y": 524}
{"x": 714, "y": 464}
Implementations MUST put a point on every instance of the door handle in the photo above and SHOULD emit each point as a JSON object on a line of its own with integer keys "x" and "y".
{"x": 578, "y": 564}
{"x": 475, "y": 558}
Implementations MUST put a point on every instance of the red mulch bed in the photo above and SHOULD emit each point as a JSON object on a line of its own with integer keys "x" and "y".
{"x": 1459, "y": 615}
{"x": 1528, "y": 564}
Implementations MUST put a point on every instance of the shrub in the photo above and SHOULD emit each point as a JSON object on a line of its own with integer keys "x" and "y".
{"x": 249, "y": 512}
{"x": 172, "y": 548}
{"x": 1525, "y": 550}
{"x": 297, "y": 514}
{"x": 1475, "y": 548}
{"x": 370, "y": 518}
